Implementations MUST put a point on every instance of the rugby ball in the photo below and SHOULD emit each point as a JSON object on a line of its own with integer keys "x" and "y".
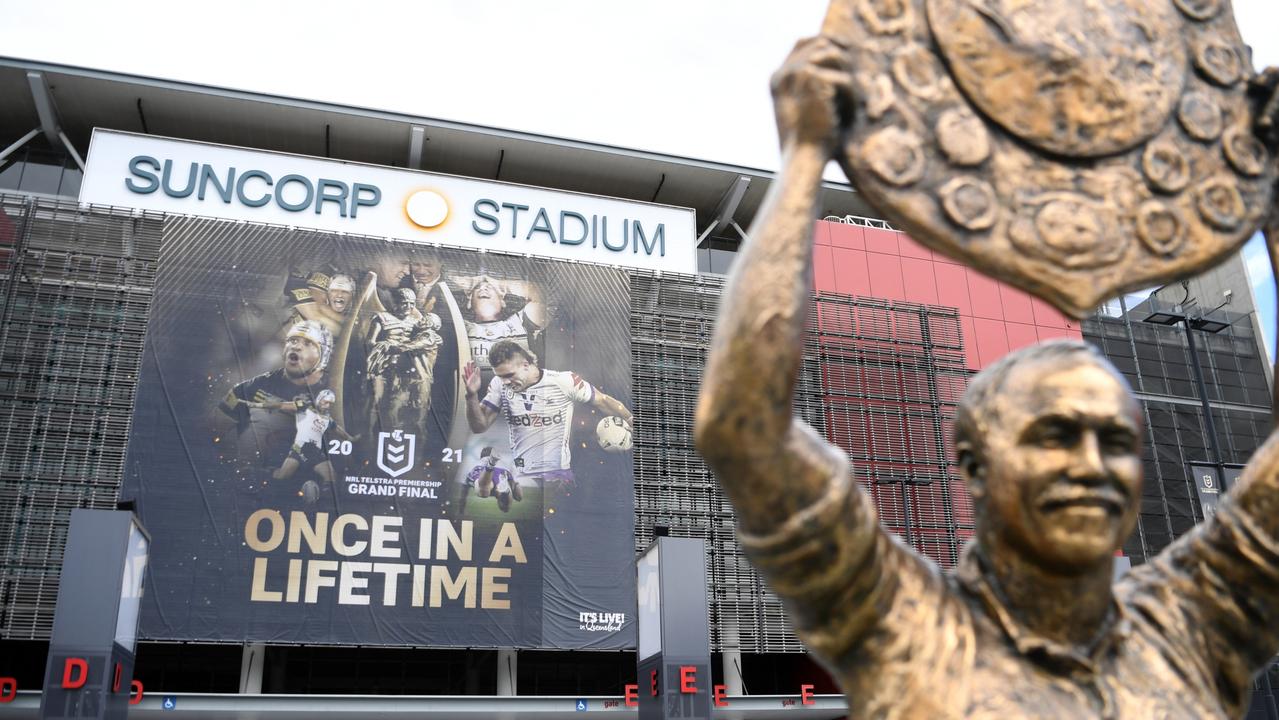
{"x": 614, "y": 434}
{"x": 310, "y": 492}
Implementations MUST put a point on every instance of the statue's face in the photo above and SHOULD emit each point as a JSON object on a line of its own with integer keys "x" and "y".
{"x": 405, "y": 300}
{"x": 1061, "y": 473}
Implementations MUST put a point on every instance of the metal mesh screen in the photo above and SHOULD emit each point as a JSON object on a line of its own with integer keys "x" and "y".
{"x": 1156, "y": 362}
{"x": 879, "y": 379}
{"x": 894, "y": 373}
{"x": 76, "y": 290}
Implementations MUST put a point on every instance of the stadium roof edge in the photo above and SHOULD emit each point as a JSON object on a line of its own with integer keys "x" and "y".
{"x": 41, "y": 66}
{"x": 212, "y": 114}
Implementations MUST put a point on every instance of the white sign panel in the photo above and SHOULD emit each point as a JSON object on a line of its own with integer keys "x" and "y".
{"x": 649, "y": 587}
{"x": 150, "y": 173}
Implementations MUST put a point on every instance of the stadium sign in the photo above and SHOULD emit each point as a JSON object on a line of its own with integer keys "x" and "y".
{"x": 190, "y": 178}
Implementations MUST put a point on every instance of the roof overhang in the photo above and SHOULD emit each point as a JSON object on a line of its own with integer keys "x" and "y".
{"x": 86, "y": 99}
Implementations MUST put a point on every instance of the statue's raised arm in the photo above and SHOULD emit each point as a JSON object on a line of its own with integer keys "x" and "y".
{"x": 770, "y": 463}
{"x": 811, "y": 531}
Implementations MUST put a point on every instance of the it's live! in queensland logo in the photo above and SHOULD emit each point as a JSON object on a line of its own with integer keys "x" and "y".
{"x": 601, "y": 621}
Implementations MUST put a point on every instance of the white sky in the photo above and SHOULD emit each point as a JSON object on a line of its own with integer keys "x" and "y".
{"x": 684, "y": 77}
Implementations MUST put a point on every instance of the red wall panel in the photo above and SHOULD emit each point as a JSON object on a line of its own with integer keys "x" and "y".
{"x": 850, "y": 274}
{"x": 846, "y": 236}
{"x": 952, "y": 287}
{"x": 909, "y": 248}
{"x": 885, "y": 264}
{"x": 991, "y": 340}
{"x": 1020, "y": 335}
{"x": 919, "y": 281}
{"x": 1017, "y": 305}
{"x": 984, "y": 292}
{"x": 882, "y": 241}
{"x": 885, "y": 276}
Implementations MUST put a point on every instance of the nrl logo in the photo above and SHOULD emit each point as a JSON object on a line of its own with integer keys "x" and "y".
{"x": 395, "y": 452}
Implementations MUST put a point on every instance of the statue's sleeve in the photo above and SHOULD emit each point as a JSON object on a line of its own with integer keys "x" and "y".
{"x": 842, "y": 576}
{"x": 1214, "y": 594}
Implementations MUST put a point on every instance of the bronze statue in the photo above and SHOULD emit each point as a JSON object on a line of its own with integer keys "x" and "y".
{"x": 1077, "y": 149}
{"x": 1031, "y": 624}
{"x": 403, "y": 346}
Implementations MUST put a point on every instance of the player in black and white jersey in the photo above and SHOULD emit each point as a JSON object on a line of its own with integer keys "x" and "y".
{"x": 307, "y": 348}
{"x": 538, "y": 407}
{"x": 313, "y": 422}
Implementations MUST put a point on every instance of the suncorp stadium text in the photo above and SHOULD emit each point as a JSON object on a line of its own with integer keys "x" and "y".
{"x": 252, "y": 188}
{"x": 572, "y": 228}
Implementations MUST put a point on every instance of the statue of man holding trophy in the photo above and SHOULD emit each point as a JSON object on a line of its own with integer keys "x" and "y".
{"x": 1077, "y": 149}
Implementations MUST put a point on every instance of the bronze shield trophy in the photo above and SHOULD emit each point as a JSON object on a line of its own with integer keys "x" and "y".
{"x": 1074, "y": 149}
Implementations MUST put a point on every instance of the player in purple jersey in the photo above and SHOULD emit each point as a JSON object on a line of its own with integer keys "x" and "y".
{"x": 491, "y": 480}
{"x": 538, "y": 407}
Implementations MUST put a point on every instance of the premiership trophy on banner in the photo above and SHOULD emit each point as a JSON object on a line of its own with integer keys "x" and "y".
{"x": 1077, "y": 149}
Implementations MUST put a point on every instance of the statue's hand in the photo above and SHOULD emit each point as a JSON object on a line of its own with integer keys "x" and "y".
{"x": 1264, "y": 90}
{"x": 808, "y": 92}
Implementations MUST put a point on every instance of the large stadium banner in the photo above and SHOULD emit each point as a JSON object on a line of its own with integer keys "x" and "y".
{"x": 346, "y": 440}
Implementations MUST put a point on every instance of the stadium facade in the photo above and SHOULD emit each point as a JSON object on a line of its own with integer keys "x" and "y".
{"x": 125, "y": 326}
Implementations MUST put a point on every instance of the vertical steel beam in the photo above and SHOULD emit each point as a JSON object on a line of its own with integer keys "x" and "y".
{"x": 507, "y": 671}
{"x": 44, "y": 107}
{"x": 252, "y": 661}
{"x": 417, "y": 140}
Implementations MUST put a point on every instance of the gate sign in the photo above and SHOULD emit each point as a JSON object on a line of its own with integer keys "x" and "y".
{"x": 175, "y": 176}
{"x": 89, "y": 670}
{"x": 1209, "y": 486}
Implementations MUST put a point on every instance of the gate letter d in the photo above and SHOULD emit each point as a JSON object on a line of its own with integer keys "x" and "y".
{"x": 78, "y": 668}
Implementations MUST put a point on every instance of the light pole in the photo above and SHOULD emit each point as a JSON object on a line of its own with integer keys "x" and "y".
{"x": 1207, "y": 498}
{"x": 1177, "y": 315}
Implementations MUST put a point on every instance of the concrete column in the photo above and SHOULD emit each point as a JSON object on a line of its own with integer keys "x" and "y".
{"x": 507, "y": 671}
{"x": 252, "y": 661}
